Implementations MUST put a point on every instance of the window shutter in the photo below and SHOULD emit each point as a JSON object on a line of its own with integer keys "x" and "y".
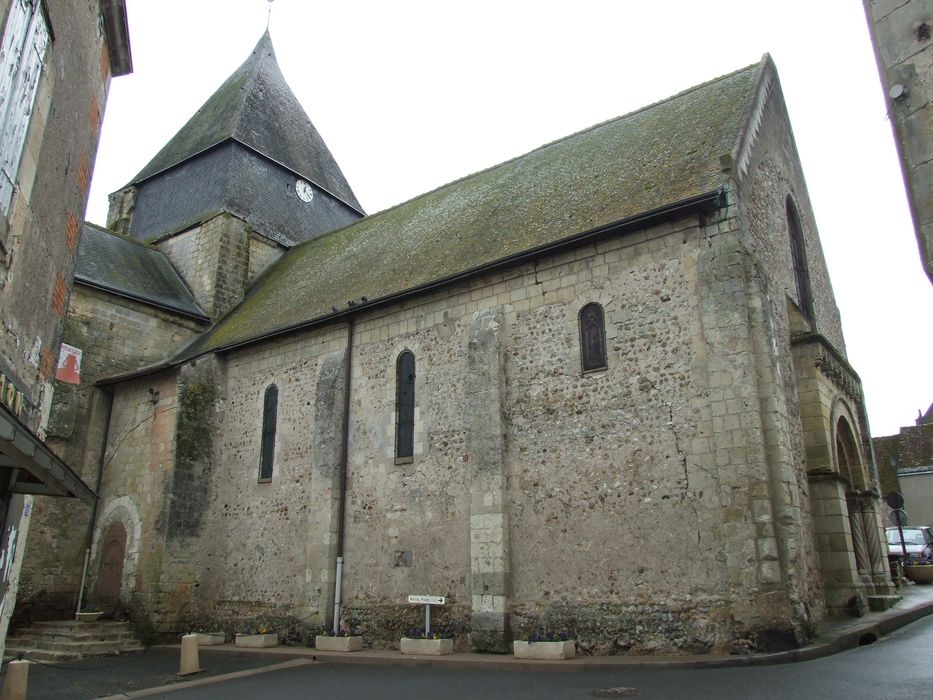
{"x": 21, "y": 54}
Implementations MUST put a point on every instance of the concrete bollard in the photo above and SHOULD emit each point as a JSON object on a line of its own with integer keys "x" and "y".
{"x": 17, "y": 678}
{"x": 189, "y": 655}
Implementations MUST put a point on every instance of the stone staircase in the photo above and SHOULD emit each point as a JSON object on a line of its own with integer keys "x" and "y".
{"x": 67, "y": 640}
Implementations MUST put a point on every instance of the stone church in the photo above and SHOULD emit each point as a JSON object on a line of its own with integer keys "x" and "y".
{"x": 600, "y": 388}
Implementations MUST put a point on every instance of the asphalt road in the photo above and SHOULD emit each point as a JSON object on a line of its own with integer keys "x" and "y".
{"x": 897, "y": 667}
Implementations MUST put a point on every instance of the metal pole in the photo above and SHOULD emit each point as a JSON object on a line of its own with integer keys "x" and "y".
{"x": 337, "y": 587}
{"x": 344, "y": 451}
{"x": 101, "y": 464}
{"x": 427, "y": 621}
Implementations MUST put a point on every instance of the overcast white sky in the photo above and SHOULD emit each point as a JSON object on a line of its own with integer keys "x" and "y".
{"x": 409, "y": 95}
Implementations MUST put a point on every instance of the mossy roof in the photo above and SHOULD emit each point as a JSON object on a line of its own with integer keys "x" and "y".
{"x": 256, "y": 107}
{"x": 133, "y": 270}
{"x": 647, "y": 160}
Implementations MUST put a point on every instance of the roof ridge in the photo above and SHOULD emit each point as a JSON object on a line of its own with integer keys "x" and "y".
{"x": 258, "y": 59}
{"x": 555, "y": 142}
{"x": 104, "y": 229}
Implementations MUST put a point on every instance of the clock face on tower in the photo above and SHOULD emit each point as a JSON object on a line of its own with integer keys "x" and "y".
{"x": 304, "y": 190}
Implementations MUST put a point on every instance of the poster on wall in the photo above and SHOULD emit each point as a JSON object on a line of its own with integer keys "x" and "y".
{"x": 69, "y": 365}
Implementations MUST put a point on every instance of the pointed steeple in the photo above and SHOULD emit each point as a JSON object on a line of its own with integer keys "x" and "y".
{"x": 256, "y": 108}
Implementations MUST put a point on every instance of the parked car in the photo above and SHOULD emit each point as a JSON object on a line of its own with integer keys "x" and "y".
{"x": 917, "y": 540}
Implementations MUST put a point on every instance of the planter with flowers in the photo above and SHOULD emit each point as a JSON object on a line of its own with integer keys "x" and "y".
{"x": 546, "y": 646}
{"x": 919, "y": 570}
{"x": 257, "y": 638}
{"x": 326, "y": 640}
{"x": 417, "y": 643}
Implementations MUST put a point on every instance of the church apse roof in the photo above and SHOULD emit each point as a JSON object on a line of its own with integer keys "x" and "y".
{"x": 647, "y": 161}
{"x": 256, "y": 108}
{"x": 133, "y": 270}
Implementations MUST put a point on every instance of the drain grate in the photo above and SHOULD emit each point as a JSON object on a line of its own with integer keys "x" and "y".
{"x": 618, "y": 692}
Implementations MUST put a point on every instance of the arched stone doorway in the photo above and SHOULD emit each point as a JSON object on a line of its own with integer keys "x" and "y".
{"x": 110, "y": 575}
{"x": 861, "y": 502}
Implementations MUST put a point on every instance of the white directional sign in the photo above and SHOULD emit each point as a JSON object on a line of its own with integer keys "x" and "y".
{"x": 426, "y": 599}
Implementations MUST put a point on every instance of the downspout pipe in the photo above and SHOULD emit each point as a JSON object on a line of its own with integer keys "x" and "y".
{"x": 342, "y": 496}
{"x": 101, "y": 463}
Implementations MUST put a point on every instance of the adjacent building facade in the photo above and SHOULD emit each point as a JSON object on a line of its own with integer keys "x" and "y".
{"x": 905, "y": 466}
{"x": 902, "y": 34}
{"x": 599, "y": 388}
{"x": 56, "y": 61}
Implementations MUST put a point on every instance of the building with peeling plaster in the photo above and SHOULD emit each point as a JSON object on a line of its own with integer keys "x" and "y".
{"x": 56, "y": 61}
{"x": 600, "y": 388}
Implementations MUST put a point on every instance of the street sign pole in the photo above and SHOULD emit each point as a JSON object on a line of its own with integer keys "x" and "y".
{"x": 427, "y": 601}
{"x": 896, "y": 502}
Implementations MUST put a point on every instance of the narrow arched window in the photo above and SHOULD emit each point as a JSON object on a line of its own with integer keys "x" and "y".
{"x": 592, "y": 338}
{"x": 267, "y": 451}
{"x": 405, "y": 407}
{"x": 798, "y": 256}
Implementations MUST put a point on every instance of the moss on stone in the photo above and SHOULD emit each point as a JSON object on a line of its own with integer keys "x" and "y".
{"x": 649, "y": 159}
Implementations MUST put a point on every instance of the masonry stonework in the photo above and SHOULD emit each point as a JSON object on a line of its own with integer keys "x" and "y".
{"x": 710, "y": 489}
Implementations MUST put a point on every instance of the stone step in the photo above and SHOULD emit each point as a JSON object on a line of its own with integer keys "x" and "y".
{"x": 92, "y": 648}
{"x": 62, "y": 640}
{"x": 38, "y": 655}
{"x": 54, "y": 636}
{"x": 880, "y": 603}
{"x": 51, "y": 655}
{"x": 74, "y": 624}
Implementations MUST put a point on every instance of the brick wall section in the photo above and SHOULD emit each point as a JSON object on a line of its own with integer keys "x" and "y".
{"x": 59, "y": 295}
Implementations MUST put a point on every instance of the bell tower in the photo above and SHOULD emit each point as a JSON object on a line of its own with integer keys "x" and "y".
{"x": 246, "y": 178}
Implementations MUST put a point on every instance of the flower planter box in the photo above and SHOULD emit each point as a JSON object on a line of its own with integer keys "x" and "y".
{"x": 427, "y": 647}
{"x": 325, "y": 643}
{"x": 210, "y": 639}
{"x": 257, "y": 641}
{"x": 544, "y": 650}
{"x": 88, "y": 616}
{"x": 919, "y": 573}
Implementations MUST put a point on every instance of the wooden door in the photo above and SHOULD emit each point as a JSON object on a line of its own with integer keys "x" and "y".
{"x": 110, "y": 576}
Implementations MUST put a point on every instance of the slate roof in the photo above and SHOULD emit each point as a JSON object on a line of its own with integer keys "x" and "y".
{"x": 648, "y": 160}
{"x": 130, "y": 269}
{"x": 256, "y": 107}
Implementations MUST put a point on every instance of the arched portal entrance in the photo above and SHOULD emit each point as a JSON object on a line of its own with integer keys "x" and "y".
{"x": 862, "y": 507}
{"x": 110, "y": 575}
